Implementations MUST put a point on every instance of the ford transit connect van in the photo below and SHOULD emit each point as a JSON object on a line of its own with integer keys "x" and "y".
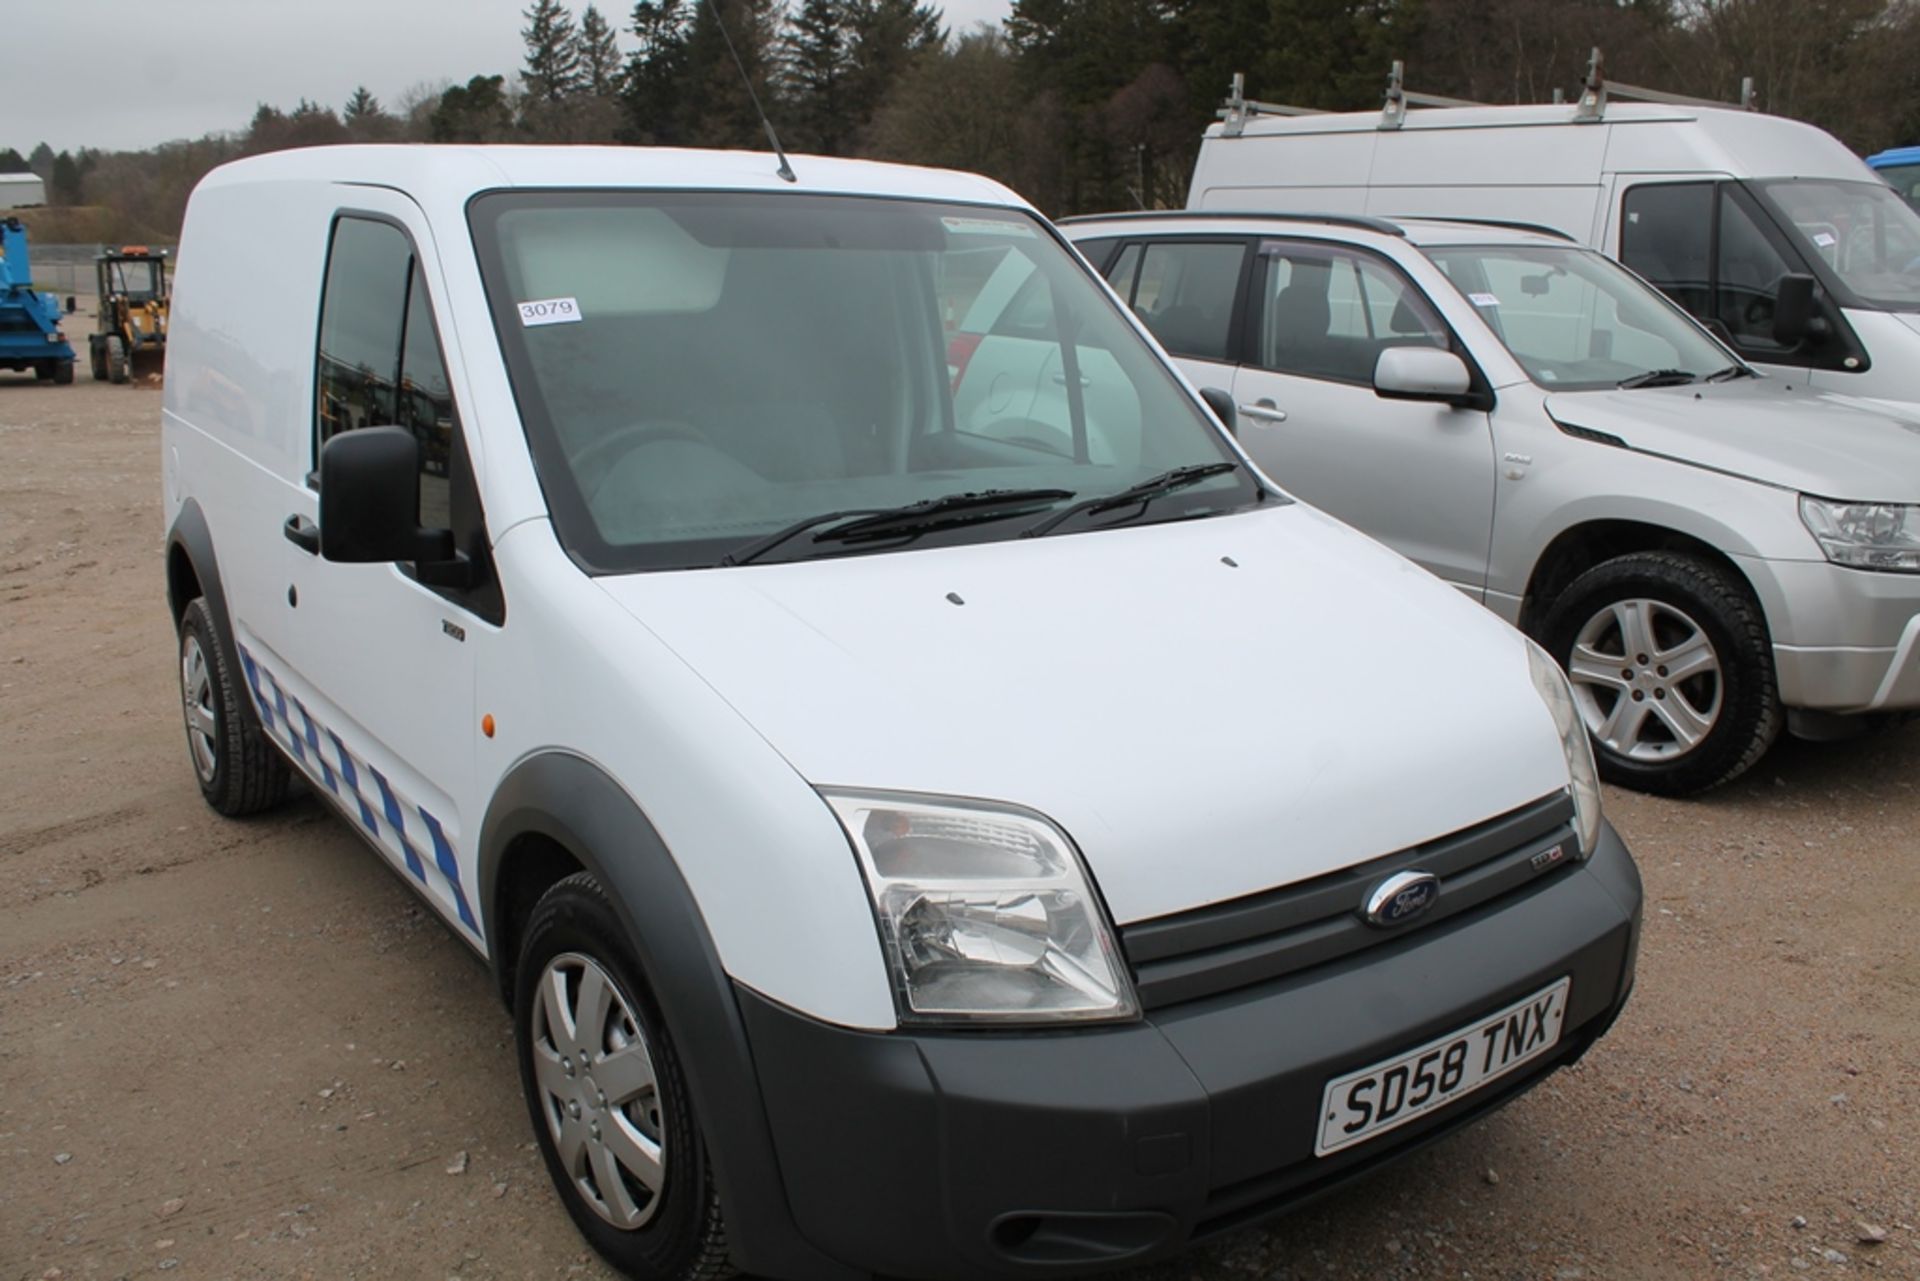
{"x": 911, "y": 840}
{"x": 1723, "y": 209}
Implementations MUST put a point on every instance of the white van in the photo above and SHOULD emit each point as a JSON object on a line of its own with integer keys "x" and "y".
{"x": 1769, "y": 231}
{"x": 937, "y": 849}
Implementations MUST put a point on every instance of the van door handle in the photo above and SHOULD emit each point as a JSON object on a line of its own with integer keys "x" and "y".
{"x": 302, "y": 533}
{"x": 1265, "y": 410}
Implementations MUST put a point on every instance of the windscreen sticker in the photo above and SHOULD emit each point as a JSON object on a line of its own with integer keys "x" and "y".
{"x": 986, "y": 227}
{"x": 1824, "y": 239}
{"x": 1484, "y": 300}
{"x": 550, "y": 311}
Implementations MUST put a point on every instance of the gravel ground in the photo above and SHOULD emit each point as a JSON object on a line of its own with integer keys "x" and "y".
{"x": 239, "y": 1050}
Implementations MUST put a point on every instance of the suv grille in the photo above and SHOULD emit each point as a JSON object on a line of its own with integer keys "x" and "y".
{"x": 1265, "y": 936}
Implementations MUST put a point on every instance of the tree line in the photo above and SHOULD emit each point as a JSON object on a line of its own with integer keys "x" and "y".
{"x": 1081, "y": 105}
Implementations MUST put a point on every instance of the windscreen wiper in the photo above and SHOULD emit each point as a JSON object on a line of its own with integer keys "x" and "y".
{"x": 1728, "y": 374}
{"x": 860, "y": 523}
{"x": 1658, "y": 378}
{"x": 1144, "y": 492}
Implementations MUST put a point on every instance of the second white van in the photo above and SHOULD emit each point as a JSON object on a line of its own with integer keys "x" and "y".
{"x": 1769, "y": 231}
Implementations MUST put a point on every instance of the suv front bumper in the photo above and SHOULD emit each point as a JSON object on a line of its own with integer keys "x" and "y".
{"x": 1845, "y": 640}
{"x": 1022, "y": 1154}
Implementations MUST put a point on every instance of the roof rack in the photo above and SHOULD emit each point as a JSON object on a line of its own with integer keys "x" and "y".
{"x": 1398, "y": 98}
{"x": 1507, "y": 224}
{"x": 1238, "y": 108}
{"x": 1596, "y": 89}
{"x": 1360, "y": 222}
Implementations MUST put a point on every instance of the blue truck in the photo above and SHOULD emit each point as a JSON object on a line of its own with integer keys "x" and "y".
{"x": 30, "y": 337}
{"x": 1900, "y": 167}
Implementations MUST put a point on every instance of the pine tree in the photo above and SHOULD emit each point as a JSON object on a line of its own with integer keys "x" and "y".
{"x": 885, "y": 37}
{"x": 361, "y": 107}
{"x": 552, "y": 70}
{"x": 656, "y": 72}
{"x": 65, "y": 187}
{"x": 41, "y": 161}
{"x": 12, "y": 161}
{"x": 597, "y": 55}
{"x": 814, "y": 67}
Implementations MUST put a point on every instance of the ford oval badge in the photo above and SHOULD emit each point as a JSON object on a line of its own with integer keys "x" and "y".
{"x": 1400, "y": 898}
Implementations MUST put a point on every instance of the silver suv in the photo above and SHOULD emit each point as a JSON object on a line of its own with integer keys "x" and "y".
{"x": 1711, "y": 553}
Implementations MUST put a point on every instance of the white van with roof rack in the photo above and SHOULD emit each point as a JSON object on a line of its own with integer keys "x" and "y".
{"x": 921, "y": 829}
{"x": 1767, "y": 230}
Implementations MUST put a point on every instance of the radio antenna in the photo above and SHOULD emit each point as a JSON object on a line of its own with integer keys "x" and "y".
{"x": 785, "y": 171}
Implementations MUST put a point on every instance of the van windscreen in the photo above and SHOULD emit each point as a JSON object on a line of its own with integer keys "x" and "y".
{"x": 698, "y": 371}
{"x": 1865, "y": 235}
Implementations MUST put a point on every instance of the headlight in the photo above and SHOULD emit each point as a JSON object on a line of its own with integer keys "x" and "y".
{"x": 985, "y": 913}
{"x": 1584, "y": 779}
{"x": 1865, "y": 535}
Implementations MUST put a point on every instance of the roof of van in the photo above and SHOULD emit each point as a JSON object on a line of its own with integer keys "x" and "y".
{"x": 455, "y": 172}
{"x": 1706, "y": 139}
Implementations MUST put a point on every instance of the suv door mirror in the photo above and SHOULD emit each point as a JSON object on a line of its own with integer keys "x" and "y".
{"x": 1795, "y": 317}
{"x": 1222, "y": 406}
{"x": 1421, "y": 373}
{"x": 370, "y": 500}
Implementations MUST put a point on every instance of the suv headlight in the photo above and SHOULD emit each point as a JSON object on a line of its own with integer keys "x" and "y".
{"x": 1583, "y": 778}
{"x": 1865, "y": 535}
{"x": 985, "y": 913}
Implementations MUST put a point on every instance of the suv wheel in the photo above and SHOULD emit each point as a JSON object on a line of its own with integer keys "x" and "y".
{"x": 1671, "y": 670}
{"x": 607, "y": 1096}
{"x": 239, "y": 769}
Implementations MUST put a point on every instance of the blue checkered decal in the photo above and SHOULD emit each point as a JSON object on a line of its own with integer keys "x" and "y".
{"x": 309, "y": 744}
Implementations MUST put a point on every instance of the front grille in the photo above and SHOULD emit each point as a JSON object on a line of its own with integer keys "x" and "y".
{"x": 1265, "y": 936}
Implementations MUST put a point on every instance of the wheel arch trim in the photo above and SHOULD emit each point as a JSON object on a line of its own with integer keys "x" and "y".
{"x": 563, "y": 798}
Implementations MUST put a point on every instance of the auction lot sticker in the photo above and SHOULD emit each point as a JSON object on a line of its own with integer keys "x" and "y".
{"x": 550, "y": 311}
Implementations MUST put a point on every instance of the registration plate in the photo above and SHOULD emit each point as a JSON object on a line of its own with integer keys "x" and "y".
{"x": 1406, "y": 1087}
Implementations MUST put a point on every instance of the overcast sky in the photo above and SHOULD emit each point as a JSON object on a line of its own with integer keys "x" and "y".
{"x": 126, "y": 74}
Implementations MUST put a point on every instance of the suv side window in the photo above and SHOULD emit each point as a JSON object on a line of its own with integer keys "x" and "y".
{"x": 1329, "y": 313}
{"x": 1185, "y": 294}
{"x": 379, "y": 362}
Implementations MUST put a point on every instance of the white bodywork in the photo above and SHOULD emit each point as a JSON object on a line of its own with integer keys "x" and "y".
{"x": 1480, "y": 497}
{"x": 1539, "y": 164}
{"x": 1202, "y": 730}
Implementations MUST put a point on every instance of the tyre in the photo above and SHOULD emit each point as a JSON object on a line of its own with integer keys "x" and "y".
{"x": 239, "y": 769}
{"x": 43, "y": 371}
{"x": 97, "y": 359}
{"x": 1671, "y": 668}
{"x": 607, "y": 1096}
{"x": 63, "y": 373}
{"x": 116, "y": 359}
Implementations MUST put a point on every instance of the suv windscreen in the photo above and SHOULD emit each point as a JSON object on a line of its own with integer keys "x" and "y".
{"x": 1576, "y": 321}
{"x": 1867, "y": 235}
{"x": 697, "y": 370}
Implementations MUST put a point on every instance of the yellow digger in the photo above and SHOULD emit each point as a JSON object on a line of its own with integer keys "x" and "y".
{"x": 131, "y": 323}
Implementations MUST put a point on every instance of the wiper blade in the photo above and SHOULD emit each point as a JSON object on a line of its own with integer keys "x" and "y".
{"x": 1730, "y": 373}
{"x": 878, "y": 522}
{"x": 1658, "y": 378}
{"x": 942, "y": 512}
{"x": 1144, "y": 492}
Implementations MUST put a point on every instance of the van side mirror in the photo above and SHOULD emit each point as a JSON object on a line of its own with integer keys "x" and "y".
{"x": 370, "y": 500}
{"x": 1422, "y": 373}
{"x": 1222, "y": 406}
{"x": 1795, "y": 318}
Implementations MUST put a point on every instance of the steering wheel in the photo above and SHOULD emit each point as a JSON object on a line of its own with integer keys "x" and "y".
{"x": 603, "y": 453}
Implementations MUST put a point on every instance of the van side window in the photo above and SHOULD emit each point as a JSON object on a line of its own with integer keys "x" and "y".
{"x": 361, "y": 316}
{"x": 1185, "y": 294}
{"x": 380, "y": 363}
{"x": 1666, "y": 235}
{"x": 1327, "y": 313}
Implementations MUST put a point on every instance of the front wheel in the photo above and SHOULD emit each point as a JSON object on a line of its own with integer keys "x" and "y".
{"x": 117, "y": 364}
{"x": 1671, "y": 668}
{"x": 63, "y": 373}
{"x": 607, "y": 1096}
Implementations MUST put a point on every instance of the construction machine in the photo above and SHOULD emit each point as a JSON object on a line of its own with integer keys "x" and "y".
{"x": 131, "y": 323}
{"x": 30, "y": 337}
